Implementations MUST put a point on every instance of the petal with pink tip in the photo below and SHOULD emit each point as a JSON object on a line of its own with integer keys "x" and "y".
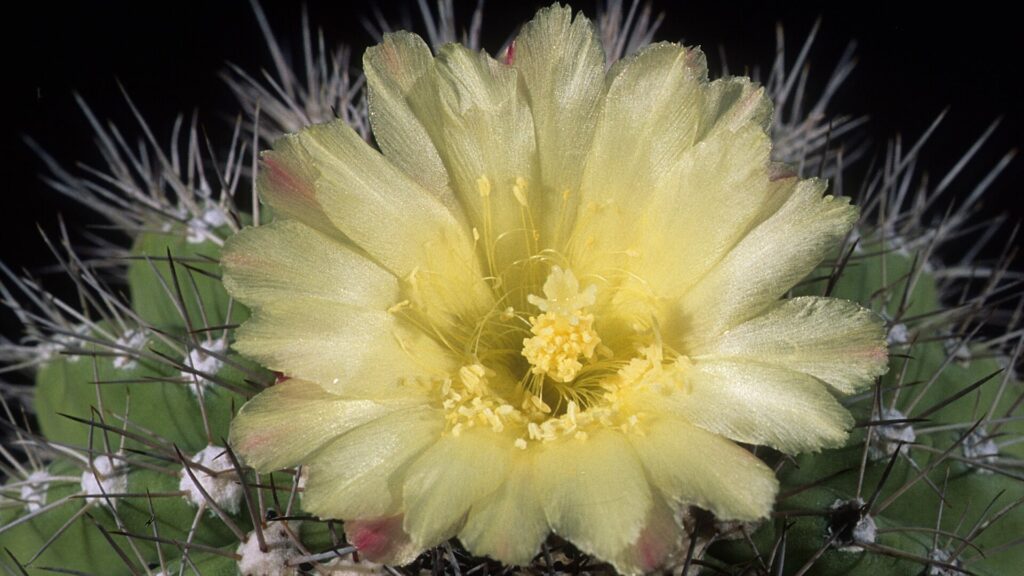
{"x": 660, "y": 539}
{"x": 508, "y": 525}
{"x": 361, "y": 474}
{"x": 382, "y": 540}
{"x": 266, "y": 434}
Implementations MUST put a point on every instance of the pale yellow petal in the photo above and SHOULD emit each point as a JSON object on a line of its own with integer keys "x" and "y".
{"x": 375, "y": 205}
{"x": 287, "y": 183}
{"x": 360, "y": 474}
{"x": 372, "y": 202}
{"x": 836, "y": 341}
{"x": 346, "y": 349}
{"x": 643, "y": 128}
{"x": 450, "y": 477}
{"x": 693, "y": 467}
{"x": 478, "y": 119}
{"x": 561, "y": 66}
{"x": 392, "y": 69}
{"x": 286, "y": 423}
{"x": 709, "y": 200}
{"x": 730, "y": 103}
{"x": 641, "y": 134}
{"x": 593, "y": 491}
{"x": 662, "y": 537}
{"x": 772, "y": 258}
{"x": 287, "y": 260}
{"x": 508, "y": 525}
{"x": 381, "y": 540}
{"x": 757, "y": 404}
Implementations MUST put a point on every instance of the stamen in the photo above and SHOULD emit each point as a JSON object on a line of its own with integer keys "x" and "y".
{"x": 563, "y": 333}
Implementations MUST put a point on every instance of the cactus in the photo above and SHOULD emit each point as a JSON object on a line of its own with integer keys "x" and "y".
{"x": 124, "y": 466}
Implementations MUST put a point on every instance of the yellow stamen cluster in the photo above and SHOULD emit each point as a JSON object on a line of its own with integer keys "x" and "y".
{"x": 650, "y": 371}
{"x": 557, "y": 344}
{"x": 469, "y": 402}
{"x": 575, "y": 422}
{"x": 563, "y": 333}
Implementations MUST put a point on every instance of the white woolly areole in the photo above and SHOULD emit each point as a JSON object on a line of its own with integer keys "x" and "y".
{"x": 980, "y": 448}
{"x": 274, "y": 562}
{"x": 200, "y": 228}
{"x": 58, "y": 344}
{"x": 33, "y": 490}
{"x": 898, "y": 334}
{"x": 940, "y": 555}
{"x": 203, "y": 363}
{"x": 866, "y": 530}
{"x": 224, "y": 489}
{"x": 956, "y": 348}
{"x": 105, "y": 475}
{"x": 888, "y": 436}
{"x": 133, "y": 339}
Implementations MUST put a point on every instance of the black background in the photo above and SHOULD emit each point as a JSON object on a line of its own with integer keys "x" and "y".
{"x": 913, "y": 63}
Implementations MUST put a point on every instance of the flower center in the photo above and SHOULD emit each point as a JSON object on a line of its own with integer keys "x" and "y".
{"x": 564, "y": 331}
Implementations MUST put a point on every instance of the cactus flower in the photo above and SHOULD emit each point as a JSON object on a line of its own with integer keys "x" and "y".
{"x": 551, "y": 299}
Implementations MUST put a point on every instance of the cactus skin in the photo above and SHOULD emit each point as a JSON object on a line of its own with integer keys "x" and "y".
{"x": 156, "y": 395}
{"x": 67, "y": 386}
{"x": 197, "y": 262}
{"x": 82, "y": 546}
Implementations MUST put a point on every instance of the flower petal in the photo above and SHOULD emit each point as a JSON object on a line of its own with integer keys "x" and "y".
{"x": 508, "y": 525}
{"x": 772, "y": 258}
{"x": 694, "y": 467}
{"x": 646, "y": 140}
{"x": 730, "y": 169}
{"x": 730, "y": 103}
{"x": 267, "y": 434}
{"x": 287, "y": 183}
{"x": 661, "y": 537}
{"x": 450, "y": 477}
{"x": 594, "y": 491}
{"x": 393, "y": 69}
{"x": 643, "y": 129}
{"x": 359, "y": 475}
{"x": 287, "y": 260}
{"x": 381, "y": 540}
{"x": 477, "y": 117}
{"x": 370, "y": 201}
{"x": 561, "y": 64}
{"x": 836, "y": 341}
{"x": 758, "y": 404}
{"x": 641, "y": 133}
{"x": 346, "y": 349}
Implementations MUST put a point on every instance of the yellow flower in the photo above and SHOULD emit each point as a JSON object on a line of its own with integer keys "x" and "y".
{"x": 549, "y": 303}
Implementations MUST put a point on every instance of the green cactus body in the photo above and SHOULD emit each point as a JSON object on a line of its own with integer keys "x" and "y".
{"x": 82, "y": 545}
{"x": 153, "y": 290}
